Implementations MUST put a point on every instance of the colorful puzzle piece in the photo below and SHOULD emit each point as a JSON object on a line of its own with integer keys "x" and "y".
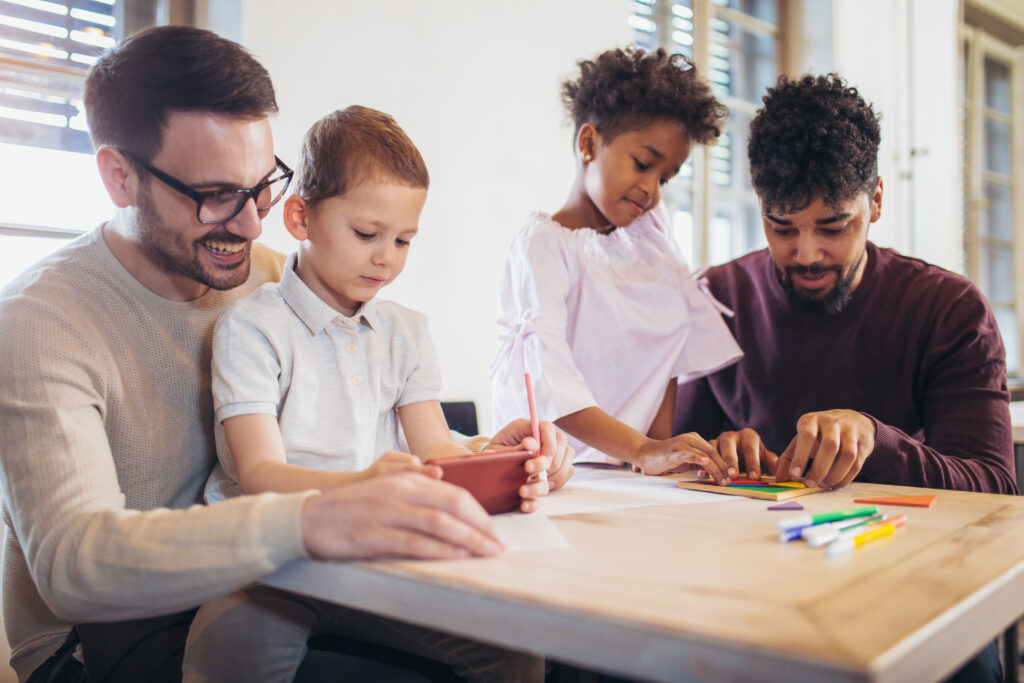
{"x": 791, "y": 505}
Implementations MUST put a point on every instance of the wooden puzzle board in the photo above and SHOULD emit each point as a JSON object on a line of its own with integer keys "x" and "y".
{"x": 767, "y": 492}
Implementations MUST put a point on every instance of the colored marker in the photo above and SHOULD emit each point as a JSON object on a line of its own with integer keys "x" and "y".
{"x": 817, "y": 536}
{"x": 791, "y": 534}
{"x": 832, "y": 529}
{"x": 845, "y": 546}
{"x": 810, "y": 520}
{"x": 534, "y": 420}
{"x": 895, "y": 520}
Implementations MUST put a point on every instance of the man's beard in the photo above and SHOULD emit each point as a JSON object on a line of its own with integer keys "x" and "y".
{"x": 832, "y": 303}
{"x": 169, "y": 251}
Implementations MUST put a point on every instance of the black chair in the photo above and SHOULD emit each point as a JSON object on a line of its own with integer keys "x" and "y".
{"x": 461, "y": 416}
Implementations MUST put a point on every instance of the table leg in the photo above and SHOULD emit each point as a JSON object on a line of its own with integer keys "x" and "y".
{"x": 1011, "y": 654}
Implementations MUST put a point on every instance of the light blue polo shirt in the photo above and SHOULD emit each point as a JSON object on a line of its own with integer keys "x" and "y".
{"x": 333, "y": 382}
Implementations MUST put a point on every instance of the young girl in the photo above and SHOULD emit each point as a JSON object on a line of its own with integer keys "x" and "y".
{"x": 596, "y": 300}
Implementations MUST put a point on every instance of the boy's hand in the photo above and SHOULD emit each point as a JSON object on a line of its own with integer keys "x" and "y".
{"x": 395, "y": 461}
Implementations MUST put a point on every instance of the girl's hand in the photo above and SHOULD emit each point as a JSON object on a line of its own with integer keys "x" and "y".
{"x": 394, "y": 461}
{"x": 554, "y": 444}
{"x": 683, "y": 452}
{"x": 537, "y": 483}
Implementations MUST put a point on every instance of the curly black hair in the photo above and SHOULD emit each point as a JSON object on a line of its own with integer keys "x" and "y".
{"x": 624, "y": 90}
{"x": 815, "y": 137}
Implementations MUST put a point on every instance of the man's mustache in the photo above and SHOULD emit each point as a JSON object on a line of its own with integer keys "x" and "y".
{"x": 813, "y": 269}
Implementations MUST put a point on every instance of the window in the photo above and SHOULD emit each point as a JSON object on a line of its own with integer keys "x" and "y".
{"x": 46, "y": 49}
{"x": 737, "y": 46}
{"x": 993, "y": 176}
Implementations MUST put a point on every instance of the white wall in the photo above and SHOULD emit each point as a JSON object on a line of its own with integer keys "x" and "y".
{"x": 902, "y": 56}
{"x": 476, "y": 86}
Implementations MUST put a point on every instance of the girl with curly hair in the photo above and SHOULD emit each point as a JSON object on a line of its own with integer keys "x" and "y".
{"x": 597, "y": 302}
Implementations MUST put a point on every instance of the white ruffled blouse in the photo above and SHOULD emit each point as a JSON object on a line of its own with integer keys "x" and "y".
{"x": 602, "y": 320}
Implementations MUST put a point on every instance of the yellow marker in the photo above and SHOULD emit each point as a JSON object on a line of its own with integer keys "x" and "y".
{"x": 844, "y": 546}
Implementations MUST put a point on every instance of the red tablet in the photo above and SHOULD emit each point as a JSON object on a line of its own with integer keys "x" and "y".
{"x": 493, "y": 478}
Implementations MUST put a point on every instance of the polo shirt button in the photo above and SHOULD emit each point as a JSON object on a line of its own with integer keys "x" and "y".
{"x": 351, "y": 348}
{"x": 357, "y": 380}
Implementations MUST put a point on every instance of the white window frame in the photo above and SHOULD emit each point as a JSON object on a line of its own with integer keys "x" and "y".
{"x": 704, "y": 199}
{"x": 980, "y": 45}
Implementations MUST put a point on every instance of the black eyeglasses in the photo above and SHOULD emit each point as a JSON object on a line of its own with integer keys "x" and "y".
{"x": 220, "y": 206}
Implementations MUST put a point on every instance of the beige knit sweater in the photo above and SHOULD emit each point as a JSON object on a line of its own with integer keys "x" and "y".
{"x": 106, "y": 440}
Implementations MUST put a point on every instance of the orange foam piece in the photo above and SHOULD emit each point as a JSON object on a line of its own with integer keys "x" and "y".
{"x": 909, "y": 501}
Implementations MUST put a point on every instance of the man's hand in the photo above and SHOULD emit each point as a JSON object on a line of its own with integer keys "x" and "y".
{"x": 554, "y": 457}
{"x": 683, "y": 452}
{"x": 744, "y": 449}
{"x": 839, "y": 441}
{"x": 400, "y": 515}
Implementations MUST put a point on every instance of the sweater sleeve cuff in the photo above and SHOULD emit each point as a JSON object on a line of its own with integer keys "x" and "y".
{"x": 283, "y": 528}
{"x": 887, "y": 442}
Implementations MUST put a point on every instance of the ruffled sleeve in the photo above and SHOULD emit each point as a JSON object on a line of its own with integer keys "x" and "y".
{"x": 536, "y": 284}
{"x": 709, "y": 345}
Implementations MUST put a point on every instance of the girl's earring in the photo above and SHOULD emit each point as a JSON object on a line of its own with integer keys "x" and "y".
{"x": 588, "y": 157}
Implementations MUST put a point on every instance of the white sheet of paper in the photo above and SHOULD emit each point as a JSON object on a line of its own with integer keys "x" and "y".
{"x": 526, "y": 533}
{"x": 595, "y": 488}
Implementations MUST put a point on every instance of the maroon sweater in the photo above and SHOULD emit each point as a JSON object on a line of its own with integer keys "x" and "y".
{"x": 916, "y": 350}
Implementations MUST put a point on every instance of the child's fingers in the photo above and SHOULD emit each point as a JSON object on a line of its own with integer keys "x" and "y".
{"x": 541, "y": 463}
{"x": 528, "y": 505}
{"x": 534, "y": 489}
{"x": 701, "y": 459}
{"x": 398, "y": 457}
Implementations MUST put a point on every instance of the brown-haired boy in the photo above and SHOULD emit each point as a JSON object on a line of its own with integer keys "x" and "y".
{"x": 309, "y": 376}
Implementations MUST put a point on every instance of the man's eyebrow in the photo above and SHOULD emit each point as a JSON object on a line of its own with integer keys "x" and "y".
{"x": 224, "y": 185}
{"x": 832, "y": 219}
{"x": 821, "y": 221}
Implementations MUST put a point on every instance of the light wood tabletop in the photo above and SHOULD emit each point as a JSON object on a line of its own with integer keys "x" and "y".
{"x": 706, "y": 591}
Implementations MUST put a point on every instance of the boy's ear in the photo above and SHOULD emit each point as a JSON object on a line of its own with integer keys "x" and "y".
{"x": 296, "y": 217}
{"x": 118, "y": 176}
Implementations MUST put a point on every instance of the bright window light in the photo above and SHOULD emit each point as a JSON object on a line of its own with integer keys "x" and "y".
{"x": 41, "y": 5}
{"x": 34, "y": 26}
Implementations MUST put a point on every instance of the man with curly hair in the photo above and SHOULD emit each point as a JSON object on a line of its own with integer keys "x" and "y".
{"x": 861, "y": 363}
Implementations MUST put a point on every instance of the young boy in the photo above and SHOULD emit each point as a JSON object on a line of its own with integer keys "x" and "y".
{"x": 309, "y": 376}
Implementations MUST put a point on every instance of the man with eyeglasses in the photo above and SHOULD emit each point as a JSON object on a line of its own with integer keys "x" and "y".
{"x": 106, "y": 434}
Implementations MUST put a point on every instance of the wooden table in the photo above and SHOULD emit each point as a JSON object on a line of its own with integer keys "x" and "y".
{"x": 707, "y": 591}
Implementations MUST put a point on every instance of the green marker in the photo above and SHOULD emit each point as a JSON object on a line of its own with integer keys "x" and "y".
{"x": 800, "y": 521}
